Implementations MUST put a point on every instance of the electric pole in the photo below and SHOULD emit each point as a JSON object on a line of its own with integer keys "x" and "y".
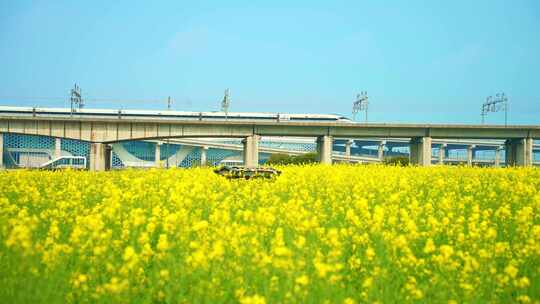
{"x": 76, "y": 99}
{"x": 225, "y": 103}
{"x": 169, "y": 104}
{"x": 361, "y": 104}
{"x": 497, "y": 104}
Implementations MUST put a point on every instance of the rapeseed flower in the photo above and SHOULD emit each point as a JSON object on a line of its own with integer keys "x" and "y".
{"x": 336, "y": 234}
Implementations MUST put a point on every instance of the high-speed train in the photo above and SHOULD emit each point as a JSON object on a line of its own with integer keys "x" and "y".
{"x": 167, "y": 115}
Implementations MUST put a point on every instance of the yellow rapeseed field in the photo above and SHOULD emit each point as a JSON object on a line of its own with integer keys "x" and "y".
{"x": 324, "y": 234}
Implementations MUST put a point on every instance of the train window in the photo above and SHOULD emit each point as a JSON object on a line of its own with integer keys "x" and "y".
{"x": 283, "y": 117}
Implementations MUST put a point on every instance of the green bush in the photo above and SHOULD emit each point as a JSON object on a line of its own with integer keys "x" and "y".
{"x": 284, "y": 159}
{"x": 278, "y": 159}
{"x": 396, "y": 161}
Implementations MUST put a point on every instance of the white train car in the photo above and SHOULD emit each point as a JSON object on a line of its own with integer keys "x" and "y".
{"x": 180, "y": 115}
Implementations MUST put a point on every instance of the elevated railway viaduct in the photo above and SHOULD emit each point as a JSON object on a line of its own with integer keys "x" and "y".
{"x": 101, "y": 132}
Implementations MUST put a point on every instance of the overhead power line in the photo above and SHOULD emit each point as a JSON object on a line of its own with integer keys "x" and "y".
{"x": 33, "y": 97}
{"x": 86, "y": 99}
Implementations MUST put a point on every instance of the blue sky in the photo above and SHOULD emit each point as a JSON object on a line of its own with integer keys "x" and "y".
{"x": 420, "y": 61}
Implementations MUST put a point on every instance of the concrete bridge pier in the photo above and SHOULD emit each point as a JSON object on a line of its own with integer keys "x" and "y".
{"x": 519, "y": 152}
{"x": 348, "y": 145}
{"x": 324, "y": 149}
{"x": 470, "y": 154}
{"x": 100, "y": 157}
{"x": 442, "y": 153}
{"x": 420, "y": 151}
{"x": 1, "y": 150}
{"x": 57, "y": 147}
{"x": 380, "y": 150}
{"x": 157, "y": 155}
{"x": 498, "y": 157}
{"x": 204, "y": 151}
{"x": 251, "y": 151}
